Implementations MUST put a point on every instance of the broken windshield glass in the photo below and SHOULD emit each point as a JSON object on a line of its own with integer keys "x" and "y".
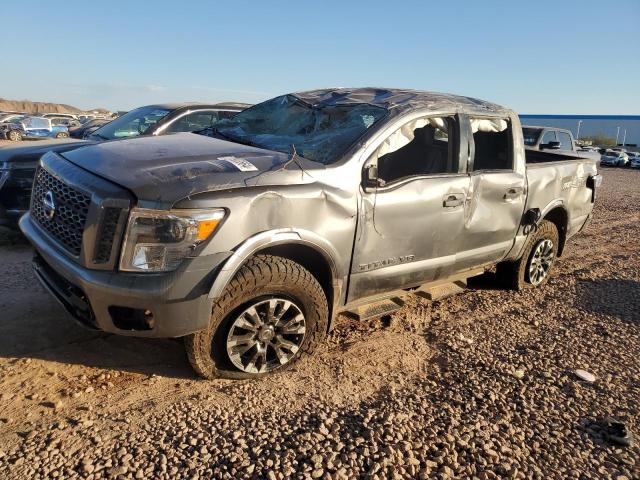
{"x": 287, "y": 124}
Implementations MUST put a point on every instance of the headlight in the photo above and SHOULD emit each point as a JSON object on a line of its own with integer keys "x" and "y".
{"x": 158, "y": 240}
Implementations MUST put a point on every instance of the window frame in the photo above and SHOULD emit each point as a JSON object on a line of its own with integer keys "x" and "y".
{"x": 373, "y": 157}
{"x": 560, "y": 132}
{"x": 472, "y": 144}
{"x": 548, "y": 130}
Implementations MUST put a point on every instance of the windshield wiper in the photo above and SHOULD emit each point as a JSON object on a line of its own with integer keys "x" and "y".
{"x": 99, "y": 136}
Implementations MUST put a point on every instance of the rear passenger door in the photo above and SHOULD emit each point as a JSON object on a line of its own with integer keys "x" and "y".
{"x": 497, "y": 192}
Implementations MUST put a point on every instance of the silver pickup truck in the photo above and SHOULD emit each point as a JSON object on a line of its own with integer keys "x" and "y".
{"x": 248, "y": 239}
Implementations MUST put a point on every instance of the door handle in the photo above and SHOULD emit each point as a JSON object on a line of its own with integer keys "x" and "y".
{"x": 452, "y": 200}
{"x": 513, "y": 192}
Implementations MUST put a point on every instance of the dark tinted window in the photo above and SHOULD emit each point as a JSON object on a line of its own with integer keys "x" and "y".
{"x": 530, "y": 136}
{"x": 194, "y": 121}
{"x": 565, "y": 141}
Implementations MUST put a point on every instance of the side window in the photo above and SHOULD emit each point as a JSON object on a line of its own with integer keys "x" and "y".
{"x": 226, "y": 114}
{"x": 565, "y": 141}
{"x": 425, "y": 146}
{"x": 194, "y": 121}
{"x": 549, "y": 136}
{"x": 492, "y": 141}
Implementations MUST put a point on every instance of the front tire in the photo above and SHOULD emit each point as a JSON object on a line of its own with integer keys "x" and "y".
{"x": 534, "y": 267}
{"x": 272, "y": 312}
{"x": 62, "y": 135}
{"x": 14, "y": 136}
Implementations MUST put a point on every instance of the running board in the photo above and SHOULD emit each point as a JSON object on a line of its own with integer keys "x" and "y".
{"x": 377, "y": 309}
{"x": 438, "y": 292}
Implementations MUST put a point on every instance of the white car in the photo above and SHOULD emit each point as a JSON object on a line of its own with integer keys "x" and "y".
{"x": 634, "y": 159}
{"x": 615, "y": 158}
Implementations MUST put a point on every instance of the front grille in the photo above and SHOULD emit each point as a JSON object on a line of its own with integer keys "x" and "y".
{"x": 71, "y": 210}
{"x": 108, "y": 230}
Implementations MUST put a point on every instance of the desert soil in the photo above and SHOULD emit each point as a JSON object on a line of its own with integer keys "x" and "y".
{"x": 478, "y": 385}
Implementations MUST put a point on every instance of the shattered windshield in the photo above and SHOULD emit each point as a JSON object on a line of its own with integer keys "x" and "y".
{"x": 287, "y": 124}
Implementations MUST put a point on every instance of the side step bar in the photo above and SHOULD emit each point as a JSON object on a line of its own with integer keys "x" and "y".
{"x": 377, "y": 309}
{"x": 444, "y": 290}
{"x": 390, "y": 302}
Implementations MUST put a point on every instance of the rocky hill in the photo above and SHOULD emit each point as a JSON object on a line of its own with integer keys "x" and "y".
{"x": 37, "y": 107}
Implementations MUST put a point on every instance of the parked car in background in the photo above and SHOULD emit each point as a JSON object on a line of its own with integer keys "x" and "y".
{"x": 32, "y": 128}
{"x": 553, "y": 140}
{"x": 166, "y": 118}
{"x": 59, "y": 115}
{"x": 615, "y": 158}
{"x": 634, "y": 159}
{"x": 65, "y": 121}
{"x": 87, "y": 128}
{"x": 12, "y": 117}
{"x": 19, "y": 162}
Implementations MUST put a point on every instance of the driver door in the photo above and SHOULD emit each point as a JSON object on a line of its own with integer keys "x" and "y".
{"x": 410, "y": 222}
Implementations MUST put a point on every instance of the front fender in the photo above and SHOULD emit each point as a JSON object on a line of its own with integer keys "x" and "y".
{"x": 274, "y": 238}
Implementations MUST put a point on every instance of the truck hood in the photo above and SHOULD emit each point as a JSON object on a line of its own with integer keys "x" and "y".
{"x": 169, "y": 168}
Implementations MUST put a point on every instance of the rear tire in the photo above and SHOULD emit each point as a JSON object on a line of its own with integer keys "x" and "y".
{"x": 62, "y": 135}
{"x": 534, "y": 267}
{"x": 244, "y": 320}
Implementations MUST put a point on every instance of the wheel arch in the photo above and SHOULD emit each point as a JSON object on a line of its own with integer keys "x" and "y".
{"x": 303, "y": 247}
{"x": 559, "y": 216}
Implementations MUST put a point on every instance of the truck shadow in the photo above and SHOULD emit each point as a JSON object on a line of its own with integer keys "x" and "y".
{"x": 614, "y": 297}
{"x": 486, "y": 281}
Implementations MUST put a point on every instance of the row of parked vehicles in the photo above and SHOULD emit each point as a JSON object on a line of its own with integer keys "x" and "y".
{"x": 148, "y": 120}
{"x": 617, "y": 157}
{"x": 247, "y": 231}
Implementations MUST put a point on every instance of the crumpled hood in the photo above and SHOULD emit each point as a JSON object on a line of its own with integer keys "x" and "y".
{"x": 169, "y": 168}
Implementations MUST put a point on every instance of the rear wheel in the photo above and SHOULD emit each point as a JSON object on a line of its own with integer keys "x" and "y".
{"x": 534, "y": 267}
{"x": 272, "y": 312}
{"x": 62, "y": 135}
{"x": 14, "y": 136}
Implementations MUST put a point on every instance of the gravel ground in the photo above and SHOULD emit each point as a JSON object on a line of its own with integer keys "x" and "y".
{"x": 478, "y": 385}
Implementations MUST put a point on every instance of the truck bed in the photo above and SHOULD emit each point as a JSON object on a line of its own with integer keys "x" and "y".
{"x": 533, "y": 156}
{"x": 561, "y": 180}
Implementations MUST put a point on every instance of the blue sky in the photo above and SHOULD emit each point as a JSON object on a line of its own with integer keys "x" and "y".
{"x": 535, "y": 57}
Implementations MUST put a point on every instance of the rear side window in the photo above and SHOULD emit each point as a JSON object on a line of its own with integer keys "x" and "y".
{"x": 194, "y": 121}
{"x": 565, "y": 141}
{"x": 492, "y": 141}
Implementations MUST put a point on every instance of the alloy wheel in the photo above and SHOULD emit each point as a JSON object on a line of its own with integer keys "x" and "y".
{"x": 266, "y": 335}
{"x": 541, "y": 262}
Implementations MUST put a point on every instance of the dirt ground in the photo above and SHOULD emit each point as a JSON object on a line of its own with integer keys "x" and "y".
{"x": 478, "y": 385}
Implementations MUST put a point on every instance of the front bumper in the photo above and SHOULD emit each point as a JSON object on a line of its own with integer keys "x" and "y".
{"x": 170, "y": 304}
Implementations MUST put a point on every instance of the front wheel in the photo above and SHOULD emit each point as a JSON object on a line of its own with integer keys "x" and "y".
{"x": 272, "y": 312}
{"x": 14, "y": 136}
{"x": 62, "y": 135}
{"x": 534, "y": 267}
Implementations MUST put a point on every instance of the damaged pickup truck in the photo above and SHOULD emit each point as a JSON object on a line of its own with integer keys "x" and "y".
{"x": 247, "y": 239}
